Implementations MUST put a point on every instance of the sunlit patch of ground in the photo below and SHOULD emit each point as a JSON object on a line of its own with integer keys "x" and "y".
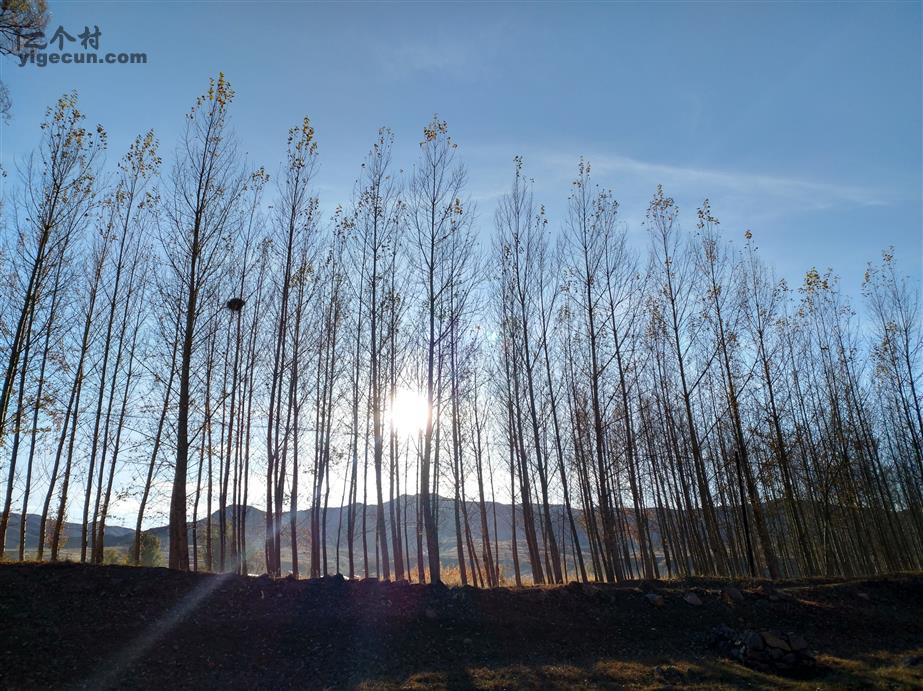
{"x": 880, "y": 671}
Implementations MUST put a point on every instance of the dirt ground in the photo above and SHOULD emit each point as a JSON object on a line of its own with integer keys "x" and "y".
{"x": 75, "y": 626}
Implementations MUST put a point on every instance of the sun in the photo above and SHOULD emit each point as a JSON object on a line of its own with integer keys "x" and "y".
{"x": 409, "y": 411}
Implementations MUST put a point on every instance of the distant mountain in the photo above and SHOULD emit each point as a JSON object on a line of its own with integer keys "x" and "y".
{"x": 337, "y": 518}
{"x": 499, "y": 517}
{"x": 115, "y": 535}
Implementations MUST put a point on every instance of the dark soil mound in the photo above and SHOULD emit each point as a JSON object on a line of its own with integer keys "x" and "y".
{"x": 111, "y": 626}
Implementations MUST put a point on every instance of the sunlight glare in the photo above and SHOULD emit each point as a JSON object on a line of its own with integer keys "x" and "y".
{"x": 409, "y": 411}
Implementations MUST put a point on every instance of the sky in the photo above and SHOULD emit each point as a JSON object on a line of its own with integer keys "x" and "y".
{"x": 800, "y": 122}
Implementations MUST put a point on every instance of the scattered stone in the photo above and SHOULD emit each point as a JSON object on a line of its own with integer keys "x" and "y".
{"x": 797, "y": 642}
{"x": 773, "y": 640}
{"x": 769, "y": 591}
{"x": 655, "y": 599}
{"x": 732, "y": 595}
{"x": 766, "y": 651}
{"x": 864, "y": 596}
{"x": 753, "y": 640}
{"x": 430, "y": 613}
{"x": 668, "y": 674}
{"x": 693, "y": 599}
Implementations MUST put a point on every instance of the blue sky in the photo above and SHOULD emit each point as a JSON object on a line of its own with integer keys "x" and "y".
{"x": 801, "y": 122}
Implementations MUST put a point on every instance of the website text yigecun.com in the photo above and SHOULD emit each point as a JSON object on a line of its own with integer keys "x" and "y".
{"x": 42, "y": 59}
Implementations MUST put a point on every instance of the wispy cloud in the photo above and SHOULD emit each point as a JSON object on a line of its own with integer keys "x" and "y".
{"x": 466, "y": 57}
{"x": 429, "y": 57}
{"x": 791, "y": 192}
